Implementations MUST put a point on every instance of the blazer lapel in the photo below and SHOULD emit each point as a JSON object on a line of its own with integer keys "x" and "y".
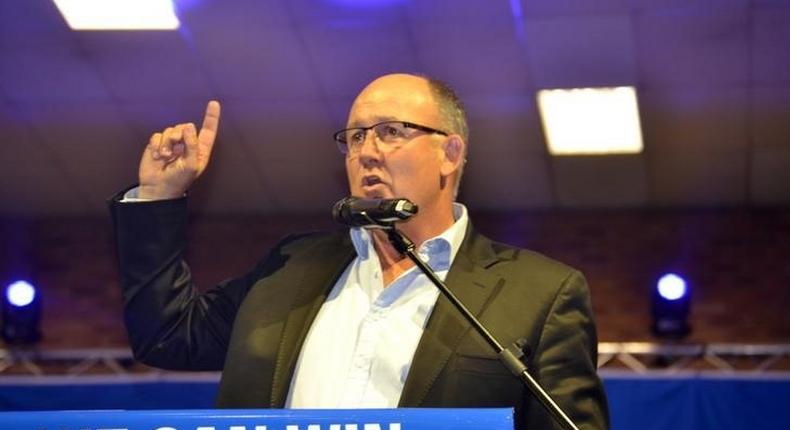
{"x": 313, "y": 290}
{"x": 473, "y": 285}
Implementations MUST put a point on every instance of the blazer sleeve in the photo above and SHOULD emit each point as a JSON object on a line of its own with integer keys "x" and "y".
{"x": 565, "y": 361}
{"x": 168, "y": 323}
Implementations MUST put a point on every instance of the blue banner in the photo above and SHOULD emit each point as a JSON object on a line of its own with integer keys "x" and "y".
{"x": 257, "y": 419}
{"x": 688, "y": 401}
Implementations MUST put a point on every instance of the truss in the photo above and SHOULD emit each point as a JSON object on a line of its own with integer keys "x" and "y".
{"x": 644, "y": 357}
{"x": 626, "y": 357}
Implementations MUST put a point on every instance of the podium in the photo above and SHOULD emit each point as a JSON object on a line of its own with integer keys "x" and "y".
{"x": 263, "y": 419}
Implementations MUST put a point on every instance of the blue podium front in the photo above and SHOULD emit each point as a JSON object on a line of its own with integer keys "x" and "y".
{"x": 263, "y": 419}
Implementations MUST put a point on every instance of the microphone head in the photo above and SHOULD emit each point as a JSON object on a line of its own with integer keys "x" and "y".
{"x": 342, "y": 208}
{"x": 381, "y": 213}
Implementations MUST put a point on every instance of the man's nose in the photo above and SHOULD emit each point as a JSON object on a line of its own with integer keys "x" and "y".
{"x": 369, "y": 148}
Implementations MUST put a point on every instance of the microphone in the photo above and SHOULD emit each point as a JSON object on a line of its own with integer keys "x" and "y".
{"x": 357, "y": 212}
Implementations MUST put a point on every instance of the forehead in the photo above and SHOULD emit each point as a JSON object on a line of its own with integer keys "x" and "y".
{"x": 400, "y": 97}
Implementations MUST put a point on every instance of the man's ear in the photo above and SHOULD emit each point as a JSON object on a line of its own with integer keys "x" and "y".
{"x": 454, "y": 149}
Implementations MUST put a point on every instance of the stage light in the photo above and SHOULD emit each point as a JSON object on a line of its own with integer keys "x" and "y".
{"x": 21, "y": 313}
{"x": 118, "y": 14}
{"x": 671, "y": 307}
{"x": 20, "y": 293}
{"x": 672, "y": 287}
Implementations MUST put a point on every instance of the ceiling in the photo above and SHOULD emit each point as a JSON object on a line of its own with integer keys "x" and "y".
{"x": 713, "y": 81}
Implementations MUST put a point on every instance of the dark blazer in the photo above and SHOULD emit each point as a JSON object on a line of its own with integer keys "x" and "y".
{"x": 253, "y": 327}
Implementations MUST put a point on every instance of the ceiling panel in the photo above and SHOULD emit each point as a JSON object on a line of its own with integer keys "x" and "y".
{"x": 147, "y": 66}
{"x": 347, "y": 55}
{"x": 710, "y": 5}
{"x": 233, "y": 182}
{"x": 293, "y": 130}
{"x": 341, "y": 13}
{"x": 199, "y": 15}
{"x": 37, "y": 20}
{"x": 771, "y": 176}
{"x": 695, "y": 117}
{"x": 278, "y": 135}
{"x": 255, "y": 54}
{"x": 600, "y": 181}
{"x": 306, "y": 184}
{"x": 465, "y": 12}
{"x": 32, "y": 70}
{"x": 498, "y": 63}
{"x": 506, "y": 181}
{"x": 698, "y": 177}
{"x": 770, "y": 116}
{"x": 693, "y": 46}
{"x": 574, "y": 7}
{"x": 771, "y": 63}
{"x": 504, "y": 125}
{"x": 581, "y": 51}
{"x": 27, "y": 188}
{"x": 93, "y": 143}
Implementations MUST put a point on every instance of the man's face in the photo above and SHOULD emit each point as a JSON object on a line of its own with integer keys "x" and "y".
{"x": 412, "y": 170}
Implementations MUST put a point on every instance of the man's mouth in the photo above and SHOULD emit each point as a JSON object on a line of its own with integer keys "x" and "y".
{"x": 369, "y": 181}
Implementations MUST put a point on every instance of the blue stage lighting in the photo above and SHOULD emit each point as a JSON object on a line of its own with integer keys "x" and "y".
{"x": 672, "y": 287}
{"x": 20, "y": 293}
{"x": 21, "y": 313}
{"x": 671, "y": 307}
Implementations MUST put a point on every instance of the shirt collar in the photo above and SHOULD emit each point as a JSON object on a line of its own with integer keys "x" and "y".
{"x": 434, "y": 250}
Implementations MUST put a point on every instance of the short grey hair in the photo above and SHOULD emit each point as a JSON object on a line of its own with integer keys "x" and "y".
{"x": 453, "y": 115}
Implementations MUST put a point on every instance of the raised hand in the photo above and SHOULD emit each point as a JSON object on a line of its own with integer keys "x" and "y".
{"x": 177, "y": 156}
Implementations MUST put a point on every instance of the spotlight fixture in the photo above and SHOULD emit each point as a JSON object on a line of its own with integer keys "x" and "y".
{"x": 21, "y": 313}
{"x": 671, "y": 307}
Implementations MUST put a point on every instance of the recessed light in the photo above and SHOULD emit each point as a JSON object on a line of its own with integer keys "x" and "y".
{"x": 586, "y": 121}
{"x": 118, "y": 14}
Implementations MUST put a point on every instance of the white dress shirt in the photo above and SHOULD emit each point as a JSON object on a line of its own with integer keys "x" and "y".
{"x": 361, "y": 344}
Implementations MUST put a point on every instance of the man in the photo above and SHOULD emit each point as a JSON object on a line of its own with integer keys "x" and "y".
{"x": 343, "y": 320}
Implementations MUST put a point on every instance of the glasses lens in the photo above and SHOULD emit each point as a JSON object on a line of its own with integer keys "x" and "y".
{"x": 391, "y": 132}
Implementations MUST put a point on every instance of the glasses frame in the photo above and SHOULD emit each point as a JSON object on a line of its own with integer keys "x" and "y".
{"x": 342, "y": 143}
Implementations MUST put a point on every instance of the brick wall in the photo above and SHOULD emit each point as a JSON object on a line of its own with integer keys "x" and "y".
{"x": 737, "y": 263}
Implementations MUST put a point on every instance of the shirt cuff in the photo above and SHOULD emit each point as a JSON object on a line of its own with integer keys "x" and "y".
{"x": 131, "y": 196}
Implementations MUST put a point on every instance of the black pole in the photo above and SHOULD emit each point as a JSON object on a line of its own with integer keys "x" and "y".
{"x": 509, "y": 358}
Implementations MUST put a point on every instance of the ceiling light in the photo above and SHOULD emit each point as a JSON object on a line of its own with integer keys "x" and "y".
{"x": 118, "y": 14}
{"x": 586, "y": 121}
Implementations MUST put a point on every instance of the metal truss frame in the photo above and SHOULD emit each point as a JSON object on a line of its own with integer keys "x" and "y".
{"x": 624, "y": 357}
{"x": 726, "y": 358}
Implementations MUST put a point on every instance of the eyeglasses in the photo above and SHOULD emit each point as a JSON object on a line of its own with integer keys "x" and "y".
{"x": 390, "y": 134}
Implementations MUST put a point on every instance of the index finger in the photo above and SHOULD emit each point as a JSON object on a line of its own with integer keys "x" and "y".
{"x": 208, "y": 131}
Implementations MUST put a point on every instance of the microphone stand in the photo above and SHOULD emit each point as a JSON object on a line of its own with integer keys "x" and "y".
{"x": 510, "y": 357}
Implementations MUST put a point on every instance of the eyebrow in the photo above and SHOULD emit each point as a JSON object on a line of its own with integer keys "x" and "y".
{"x": 376, "y": 120}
